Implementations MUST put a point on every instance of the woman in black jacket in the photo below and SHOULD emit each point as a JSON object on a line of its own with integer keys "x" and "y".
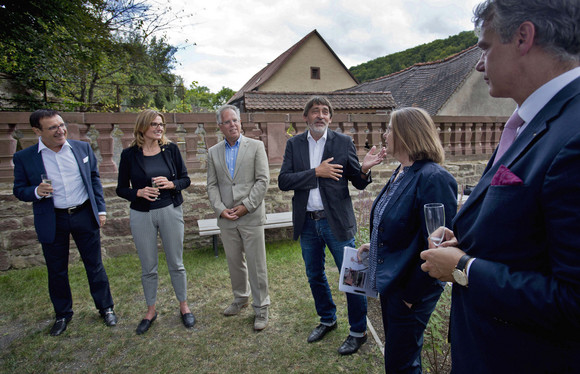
{"x": 151, "y": 176}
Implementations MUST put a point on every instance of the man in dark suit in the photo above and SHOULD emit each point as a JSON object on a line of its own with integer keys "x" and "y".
{"x": 513, "y": 252}
{"x": 318, "y": 164}
{"x": 72, "y": 204}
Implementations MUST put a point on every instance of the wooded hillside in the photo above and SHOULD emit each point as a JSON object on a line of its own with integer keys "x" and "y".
{"x": 436, "y": 50}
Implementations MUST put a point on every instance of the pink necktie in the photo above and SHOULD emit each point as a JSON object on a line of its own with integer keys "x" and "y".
{"x": 508, "y": 135}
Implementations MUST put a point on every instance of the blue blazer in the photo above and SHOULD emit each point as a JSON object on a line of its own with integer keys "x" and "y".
{"x": 403, "y": 234}
{"x": 28, "y": 167}
{"x": 521, "y": 310}
{"x": 296, "y": 174}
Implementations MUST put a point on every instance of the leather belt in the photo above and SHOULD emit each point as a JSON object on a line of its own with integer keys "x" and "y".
{"x": 316, "y": 215}
{"x": 74, "y": 209}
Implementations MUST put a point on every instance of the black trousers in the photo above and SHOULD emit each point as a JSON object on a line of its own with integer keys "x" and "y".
{"x": 404, "y": 329}
{"x": 86, "y": 234}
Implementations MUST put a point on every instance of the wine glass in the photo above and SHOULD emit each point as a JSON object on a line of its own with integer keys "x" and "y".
{"x": 46, "y": 179}
{"x": 434, "y": 219}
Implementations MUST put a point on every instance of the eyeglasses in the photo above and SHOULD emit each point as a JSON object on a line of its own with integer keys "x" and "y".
{"x": 229, "y": 122}
{"x": 157, "y": 124}
{"x": 62, "y": 126}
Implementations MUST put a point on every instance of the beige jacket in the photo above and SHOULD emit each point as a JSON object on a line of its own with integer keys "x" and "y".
{"x": 248, "y": 186}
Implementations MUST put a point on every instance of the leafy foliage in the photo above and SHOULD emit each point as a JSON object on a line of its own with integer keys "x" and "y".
{"x": 436, "y": 348}
{"x": 90, "y": 51}
{"x": 436, "y": 50}
{"x": 199, "y": 98}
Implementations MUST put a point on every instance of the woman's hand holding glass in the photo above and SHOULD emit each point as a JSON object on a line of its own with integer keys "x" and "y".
{"x": 163, "y": 183}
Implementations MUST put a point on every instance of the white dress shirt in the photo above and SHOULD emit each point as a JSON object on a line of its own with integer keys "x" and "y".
{"x": 63, "y": 170}
{"x": 315, "y": 150}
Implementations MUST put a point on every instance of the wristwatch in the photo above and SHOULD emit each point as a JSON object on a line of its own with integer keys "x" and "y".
{"x": 460, "y": 273}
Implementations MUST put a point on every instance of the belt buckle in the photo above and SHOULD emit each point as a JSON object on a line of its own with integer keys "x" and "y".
{"x": 71, "y": 210}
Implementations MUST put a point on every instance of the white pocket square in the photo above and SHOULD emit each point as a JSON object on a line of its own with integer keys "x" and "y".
{"x": 85, "y": 160}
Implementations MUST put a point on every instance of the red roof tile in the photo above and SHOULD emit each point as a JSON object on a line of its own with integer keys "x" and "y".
{"x": 295, "y": 101}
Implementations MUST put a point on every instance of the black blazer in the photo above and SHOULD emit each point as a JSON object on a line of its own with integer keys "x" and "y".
{"x": 132, "y": 176}
{"x": 403, "y": 234}
{"x": 296, "y": 174}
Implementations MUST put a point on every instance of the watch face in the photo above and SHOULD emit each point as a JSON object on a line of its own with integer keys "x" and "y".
{"x": 460, "y": 277}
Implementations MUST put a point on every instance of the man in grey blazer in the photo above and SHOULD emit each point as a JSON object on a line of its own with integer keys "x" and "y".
{"x": 237, "y": 180}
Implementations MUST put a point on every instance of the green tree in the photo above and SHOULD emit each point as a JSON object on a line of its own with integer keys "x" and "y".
{"x": 85, "y": 45}
{"x": 436, "y": 50}
{"x": 200, "y": 98}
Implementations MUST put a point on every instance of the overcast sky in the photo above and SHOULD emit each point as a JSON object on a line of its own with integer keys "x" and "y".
{"x": 234, "y": 39}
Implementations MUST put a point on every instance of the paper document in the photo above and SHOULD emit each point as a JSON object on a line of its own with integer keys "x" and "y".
{"x": 354, "y": 277}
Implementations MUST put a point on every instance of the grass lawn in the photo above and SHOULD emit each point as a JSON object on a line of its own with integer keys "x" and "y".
{"x": 216, "y": 344}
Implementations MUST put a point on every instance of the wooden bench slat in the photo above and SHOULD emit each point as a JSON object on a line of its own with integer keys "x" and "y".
{"x": 273, "y": 220}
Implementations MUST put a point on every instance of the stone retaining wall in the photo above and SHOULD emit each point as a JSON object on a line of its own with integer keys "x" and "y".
{"x": 20, "y": 249}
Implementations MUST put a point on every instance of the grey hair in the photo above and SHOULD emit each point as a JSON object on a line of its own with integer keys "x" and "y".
{"x": 557, "y": 23}
{"x": 226, "y": 107}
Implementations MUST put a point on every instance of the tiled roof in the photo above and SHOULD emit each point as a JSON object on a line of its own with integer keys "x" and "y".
{"x": 427, "y": 85}
{"x": 295, "y": 101}
{"x": 269, "y": 70}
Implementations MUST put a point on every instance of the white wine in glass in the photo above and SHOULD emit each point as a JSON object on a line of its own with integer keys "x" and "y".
{"x": 46, "y": 180}
{"x": 434, "y": 219}
{"x": 154, "y": 185}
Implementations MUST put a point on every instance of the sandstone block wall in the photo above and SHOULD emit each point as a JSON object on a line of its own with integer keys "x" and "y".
{"x": 19, "y": 247}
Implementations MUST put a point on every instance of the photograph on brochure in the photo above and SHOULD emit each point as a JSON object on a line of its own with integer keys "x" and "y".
{"x": 354, "y": 274}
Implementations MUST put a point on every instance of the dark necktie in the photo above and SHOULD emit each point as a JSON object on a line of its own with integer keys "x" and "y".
{"x": 508, "y": 135}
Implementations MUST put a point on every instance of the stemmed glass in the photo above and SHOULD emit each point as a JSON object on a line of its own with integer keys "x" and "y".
{"x": 434, "y": 219}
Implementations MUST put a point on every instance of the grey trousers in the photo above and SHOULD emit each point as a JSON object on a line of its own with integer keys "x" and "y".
{"x": 168, "y": 221}
{"x": 245, "y": 248}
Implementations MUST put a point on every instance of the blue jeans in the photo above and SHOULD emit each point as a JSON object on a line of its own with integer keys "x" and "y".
{"x": 313, "y": 239}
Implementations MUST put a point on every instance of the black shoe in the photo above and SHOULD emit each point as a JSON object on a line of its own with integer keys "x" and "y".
{"x": 59, "y": 326}
{"x": 351, "y": 344}
{"x": 319, "y": 332}
{"x": 109, "y": 317}
{"x": 145, "y": 324}
{"x": 188, "y": 320}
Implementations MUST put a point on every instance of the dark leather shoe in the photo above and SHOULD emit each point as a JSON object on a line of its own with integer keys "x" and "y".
{"x": 319, "y": 332}
{"x": 188, "y": 320}
{"x": 59, "y": 326}
{"x": 145, "y": 324}
{"x": 351, "y": 345}
{"x": 109, "y": 317}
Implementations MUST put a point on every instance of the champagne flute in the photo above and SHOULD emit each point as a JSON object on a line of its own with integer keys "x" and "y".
{"x": 154, "y": 185}
{"x": 46, "y": 180}
{"x": 434, "y": 219}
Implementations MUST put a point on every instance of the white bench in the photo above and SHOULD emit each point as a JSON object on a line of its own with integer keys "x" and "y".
{"x": 273, "y": 220}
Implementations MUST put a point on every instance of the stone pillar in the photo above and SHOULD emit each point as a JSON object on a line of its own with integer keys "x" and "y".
{"x": 7, "y": 149}
{"x": 276, "y": 142}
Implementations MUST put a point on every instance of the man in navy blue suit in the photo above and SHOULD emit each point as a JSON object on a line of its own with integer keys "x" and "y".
{"x": 72, "y": 204}
{"x": 514, "y": 253}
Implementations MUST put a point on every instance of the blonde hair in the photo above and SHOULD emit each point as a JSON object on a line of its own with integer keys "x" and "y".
{"x": 414, "y": 132}
{"x": 143, "y": 123}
